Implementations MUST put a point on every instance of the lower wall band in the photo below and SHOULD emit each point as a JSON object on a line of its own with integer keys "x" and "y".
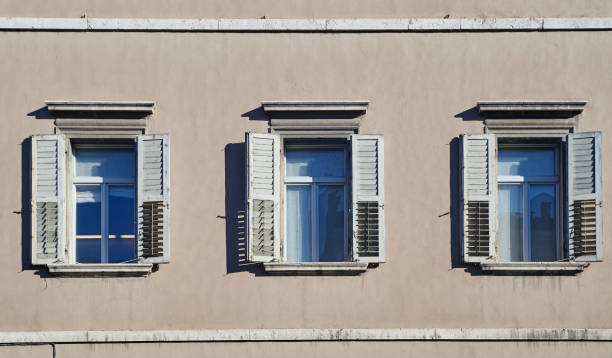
{"x": 331, "y": 334}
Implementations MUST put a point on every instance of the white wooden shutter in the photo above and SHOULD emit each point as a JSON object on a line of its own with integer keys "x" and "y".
{"x": 48, "y": 199}
{"x": 263, "y": 199}
{"x": 368, "y": 209}
{"x": 584, "y": 182}
{"x": 478, "y": 177}
{"x": 154, "y": 198}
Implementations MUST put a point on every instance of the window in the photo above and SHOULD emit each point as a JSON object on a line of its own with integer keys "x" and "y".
{"x": 315, "y": 203}
{"x": 103, "y": 202}
{"x": 104, "y": 187}
{"x": 332, "y": 196}
{"x": 528, "y": 200}
{"x": 534, "y": 199}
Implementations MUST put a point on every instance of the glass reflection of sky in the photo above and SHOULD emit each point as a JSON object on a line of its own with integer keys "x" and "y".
{"x": 533, "y": 162}
{"x": 331, "y": 223}
{"x": 105, "y": 163}
{"x": 88, "y": 223}
{"x": 543, "y": 222}
{"x": 121, "y": 223}
{"x": 315, "y": 163}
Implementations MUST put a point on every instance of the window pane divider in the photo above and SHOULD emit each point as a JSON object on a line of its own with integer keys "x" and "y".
{"x": 522, "y": 179}
{"x": 102, "y": 180}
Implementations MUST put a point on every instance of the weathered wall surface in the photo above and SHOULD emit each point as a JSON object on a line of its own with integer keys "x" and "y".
{"x": 320, "y": 349}
{"x": 306, "y": 8}
{"x": 207, "y": 85}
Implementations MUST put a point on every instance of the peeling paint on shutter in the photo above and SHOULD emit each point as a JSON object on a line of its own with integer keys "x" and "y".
{"x": 478, "y": 196}
{"x": 584, "y": 182}
{"x": 263, "y": 199}
{"x": 367, "y": 154}
{"x": 154, "y": 198}
{"x": 48, "y": 199}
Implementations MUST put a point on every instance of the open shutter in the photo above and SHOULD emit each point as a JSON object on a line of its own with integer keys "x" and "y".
{"x": 368, "y": 209}
{"x": 263, "y": 200}
{"x": 154, "y": 198}
{"x": 584, "y": 197}
{"x": 478, "y": 177}
{"x": 48, "y": 199}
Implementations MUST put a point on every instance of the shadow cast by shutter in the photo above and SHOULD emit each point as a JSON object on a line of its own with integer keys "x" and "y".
{"x": 456, "y": 241}
{"x": 235, "y": 211}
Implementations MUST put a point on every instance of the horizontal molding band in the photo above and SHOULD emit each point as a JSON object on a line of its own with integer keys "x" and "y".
{"x": 333, "y": 334}
{"x": 306, "y": 25}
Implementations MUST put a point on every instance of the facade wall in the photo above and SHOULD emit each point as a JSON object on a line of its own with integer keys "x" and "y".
{"x": 421, "y": 87}
{"x": 208, "y": 87}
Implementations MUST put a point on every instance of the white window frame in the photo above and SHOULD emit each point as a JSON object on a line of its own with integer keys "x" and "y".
{"x": 526, "y": 182}
{"x": 103, "y": 183}
{"x": 315, "y": 181}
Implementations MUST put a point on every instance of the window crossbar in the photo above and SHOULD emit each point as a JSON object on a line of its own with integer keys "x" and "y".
{"x": 523, "y": 179}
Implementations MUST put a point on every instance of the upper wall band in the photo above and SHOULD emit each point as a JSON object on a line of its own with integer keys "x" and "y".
{"x": 306, "y": 25}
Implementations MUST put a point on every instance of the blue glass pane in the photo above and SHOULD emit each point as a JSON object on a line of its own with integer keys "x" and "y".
{"x": 543, "y": 220}
{"x": 299, "y": 223}
{"x": 510, "y": 220}
{"x": 119, "y": 163}
{"x": 88, "y": 251}
{"x": 88, "y": 223}
{"x": 526, "y": 162}
{"x": 121, "y": 250}
{"x": 331, "y": 223}
{"x": 121, "y": 223}
{"x": 315, "y": 163}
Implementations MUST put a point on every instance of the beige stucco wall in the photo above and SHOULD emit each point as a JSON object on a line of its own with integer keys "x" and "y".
{"x": 321, "y": 349}
{"x": 204, "y": 83}
{"x": 306, "y": 8}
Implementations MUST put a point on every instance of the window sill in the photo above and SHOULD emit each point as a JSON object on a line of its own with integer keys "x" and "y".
{"x": 347, "y": 268}
{"x": 534, "y": 267}
{"x": 100, "y": 270}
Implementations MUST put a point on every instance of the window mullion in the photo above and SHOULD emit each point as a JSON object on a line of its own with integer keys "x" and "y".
{"x": 557, "y": 222}
{"x": 104, "y": 222}
{"x": 526, "y": 223}
{"x": 315, "y": 223}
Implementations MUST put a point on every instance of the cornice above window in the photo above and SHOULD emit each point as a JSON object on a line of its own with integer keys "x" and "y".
{"x": 142, "y": 107}
{"x": 99, "y": 118}
{"x": 315, "y": 117}
{"x": 530, "y": 116}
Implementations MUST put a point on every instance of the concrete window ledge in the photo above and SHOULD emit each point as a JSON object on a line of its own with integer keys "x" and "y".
{"x": 100, "y": 270}
{"x": 347, "y": 268}
{"x": 534, "y": 267}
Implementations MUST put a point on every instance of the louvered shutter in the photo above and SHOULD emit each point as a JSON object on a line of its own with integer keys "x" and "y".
{"x": 478, "y": 176}
{"x": 367, "y": 155}
{"x": 154, "y": 198}
{"x": 263, "y": 201}
{"x": 48, "y": 199}
{"x": 584, "y": 197}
